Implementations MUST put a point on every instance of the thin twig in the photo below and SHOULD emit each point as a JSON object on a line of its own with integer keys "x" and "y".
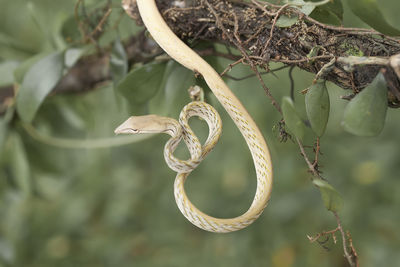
{"x": 230, "y": 66}
{"x": 311, "y": 166}
{"x": 325, "y": 70}
{"x": 346, "y": 252}
{"x": 291, "y": 82}
{"x": 277, "y": 14}
{"x": 254, "y": 75}
{"x": 99, "y": 26}
{"x": 324, "y": 233}
{"x": 353, "y": 250}
{"x": 244, "y": 53}
{"x": 350, "y": 30}
{"x": 317, "y": 151}
{"x": 77, "y": 19}
{"x": 294, "y": 61}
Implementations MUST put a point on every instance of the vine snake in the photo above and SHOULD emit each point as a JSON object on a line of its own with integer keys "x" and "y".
{"x": 180, "y": 52}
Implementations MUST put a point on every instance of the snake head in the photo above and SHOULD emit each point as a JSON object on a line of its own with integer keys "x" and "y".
{"x": 146, "y": 124}
{"x": 128, "y": 127}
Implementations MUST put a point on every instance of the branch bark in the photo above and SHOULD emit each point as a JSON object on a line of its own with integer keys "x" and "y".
{"x": 253, "y": 24}
{"x": 359, "y": 53}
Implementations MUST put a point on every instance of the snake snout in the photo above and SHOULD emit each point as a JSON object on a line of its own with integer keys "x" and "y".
{"x": 126, "y": 128}
{"x": 126, "y": 131}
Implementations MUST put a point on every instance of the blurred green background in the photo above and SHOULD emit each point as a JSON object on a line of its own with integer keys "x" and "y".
{"x": 115, "y": 206}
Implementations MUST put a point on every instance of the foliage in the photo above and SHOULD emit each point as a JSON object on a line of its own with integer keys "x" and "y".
{"x": 366, "y": 113}
{"x": 292, "y": 118}
{"x": 318, "y": 107}
{"x": 63, "y": 204}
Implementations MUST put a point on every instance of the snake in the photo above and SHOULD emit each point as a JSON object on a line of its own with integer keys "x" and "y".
{"x": 178, "y": 130}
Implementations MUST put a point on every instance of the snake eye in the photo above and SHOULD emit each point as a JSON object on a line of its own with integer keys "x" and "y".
{"x": 122, "y": 130}
{"x": 131, "y": 131}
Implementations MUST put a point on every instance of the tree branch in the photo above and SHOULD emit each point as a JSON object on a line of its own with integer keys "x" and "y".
{"x": 253, "y": 24}
{"x": 308, "y": 44}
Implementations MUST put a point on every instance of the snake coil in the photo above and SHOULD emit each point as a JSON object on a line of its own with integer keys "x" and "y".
{"x": 180, "y": 52}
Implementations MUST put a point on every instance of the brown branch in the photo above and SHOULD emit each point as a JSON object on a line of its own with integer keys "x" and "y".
{"x": 353, "y": 260}
{"x": 93, "y": 71}
{"x": 230, "y": 66}
{"x": 251, "y": 28}
{"x": 271, "y": 33}
{"x": 239, "y": 45}
{"x": 322, "y": 234}
{"x": 351, "y": 256}
{"x": 253, "y": 25}
{"x": 353, "y": 250}
{"x": 313, "y": 166}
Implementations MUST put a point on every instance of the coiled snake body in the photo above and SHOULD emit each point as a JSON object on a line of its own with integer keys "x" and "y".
{"x": 178, "y": 130}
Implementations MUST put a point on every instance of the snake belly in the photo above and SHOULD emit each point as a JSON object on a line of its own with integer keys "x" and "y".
{"x": 180, "y": 52}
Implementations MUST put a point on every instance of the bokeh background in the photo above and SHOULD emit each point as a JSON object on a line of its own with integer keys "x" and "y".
{"x": 114, "y": 206}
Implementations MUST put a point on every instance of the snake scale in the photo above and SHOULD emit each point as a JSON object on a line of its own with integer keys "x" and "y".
{"x": 180, "y": 52}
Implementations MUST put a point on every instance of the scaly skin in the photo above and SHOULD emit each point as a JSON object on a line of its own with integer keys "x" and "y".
{"x": 180, "y": 52}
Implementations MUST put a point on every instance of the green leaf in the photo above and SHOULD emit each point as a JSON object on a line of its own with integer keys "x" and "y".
{"x": 142, "y": 83}
{"x": 285, "y": 21}
{"x": 7, "y": 69}
{"x": 3, "y": 135}
{"x": 331, "y": 198}
{"x": 38, "y": 82}
{"x": 324, "y": 11}
{"x": 40, "y": 19}
{"x": 72, "y": 55}
{"x": 20, "y": 165}
{"x": 70, "y": 30}
{"x": 292, "y": 119}
{"x": 174, "y": 96}
{"x": 330, "y": 13}
{"x": 369, "y": 12}
{"x": 118, "y": 62}
{"x": 15, "y": 215}
{"x": 305, "y": 7}
{"x": 9, "y": 44}
{"x": 23, "y": 68}
{"x": 365, "y": 114}
{"x": 326, "y": 16}
{"x": 4, "y": 125}
{"x": 317, "y": 107}
{"x": 335, "y": 7}
{"x": 7, "y": 251}
{"x": 37, "y": 17}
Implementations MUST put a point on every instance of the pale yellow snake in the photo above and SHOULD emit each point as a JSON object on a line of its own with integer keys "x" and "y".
{"x": 179, "y": 51}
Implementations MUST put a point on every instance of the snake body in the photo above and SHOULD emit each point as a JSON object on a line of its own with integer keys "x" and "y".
{"x": 180, "y": 52}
